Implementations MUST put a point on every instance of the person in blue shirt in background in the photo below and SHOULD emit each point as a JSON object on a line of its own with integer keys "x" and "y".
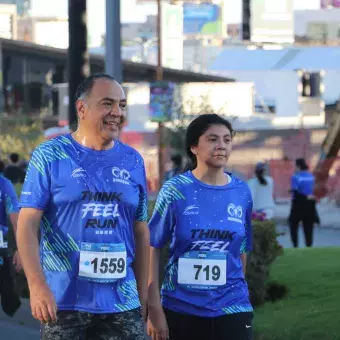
{"x": 303, "y": 207}
{"x": 205, "y": 214}
{"x": 10, "y": 300}
{"x": 8, "y": 209}
{"x": 86, "y": 194}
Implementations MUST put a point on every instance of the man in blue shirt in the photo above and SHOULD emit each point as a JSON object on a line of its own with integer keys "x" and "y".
{"x": 86, "y": 193}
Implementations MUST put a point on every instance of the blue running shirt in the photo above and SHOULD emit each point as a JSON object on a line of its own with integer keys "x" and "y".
{"x": 91, "y": 200}
{"x": 208, "y": 228}
{"x": 8, "y": 205}
{"x": 303, "y": 183}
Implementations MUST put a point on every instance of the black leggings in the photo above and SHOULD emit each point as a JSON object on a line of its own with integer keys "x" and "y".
{"x": 308, "y": 226}
{"x": 226, "y": 327}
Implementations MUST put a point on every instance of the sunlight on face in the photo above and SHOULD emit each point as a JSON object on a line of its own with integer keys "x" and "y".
{"x": 214, "y": 147}
{"x": 104, "y": 109}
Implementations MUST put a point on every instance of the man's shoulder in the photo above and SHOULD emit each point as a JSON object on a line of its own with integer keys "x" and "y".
{"x": 129, "y": 151}
{"x": 53, "y": 143}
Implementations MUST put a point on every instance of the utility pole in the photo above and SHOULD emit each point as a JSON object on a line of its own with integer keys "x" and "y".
{"x": 159, "y": 76}
{"x": 113, "y": 60}
{"x": 246, "y": 24}
{"x": 78, "y": 59}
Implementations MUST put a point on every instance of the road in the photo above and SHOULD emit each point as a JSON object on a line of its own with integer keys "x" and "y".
{"x": 323, "y": 237}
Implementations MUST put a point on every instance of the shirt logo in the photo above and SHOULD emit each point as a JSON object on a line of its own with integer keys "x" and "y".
{"x": 235, "y": 213}
{"x": 79, "y": 172}
{"x": 191, "y": 210}
{"x": 120, "y": 175}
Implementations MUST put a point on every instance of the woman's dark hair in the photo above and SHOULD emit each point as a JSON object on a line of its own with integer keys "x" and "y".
{"x": 198, "y": 127}
{"x": 259, "y": 173}
{"x": 301, "y": 163}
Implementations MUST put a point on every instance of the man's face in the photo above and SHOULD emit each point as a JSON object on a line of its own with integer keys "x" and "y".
{"x": 101, "y": 111}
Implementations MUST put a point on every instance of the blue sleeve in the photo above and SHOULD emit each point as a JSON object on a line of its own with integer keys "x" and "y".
{"x": 142, "y": 209}
{"x": 36, "y": 189}
{"x": 163, "y": 220}
{"x": 11, "y": 200}
{"x": 295, "y": 183}
{"x": 247, "y": 244}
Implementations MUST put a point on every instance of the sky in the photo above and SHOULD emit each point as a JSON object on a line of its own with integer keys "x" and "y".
{"x": 96, "y": 11}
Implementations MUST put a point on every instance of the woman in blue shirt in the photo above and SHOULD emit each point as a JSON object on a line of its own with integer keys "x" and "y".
{"x": 303, "y": 207}
{"x": 205, "y": 214}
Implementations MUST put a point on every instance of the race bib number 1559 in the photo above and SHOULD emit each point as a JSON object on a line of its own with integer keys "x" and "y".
{"x": 102, "y": 262}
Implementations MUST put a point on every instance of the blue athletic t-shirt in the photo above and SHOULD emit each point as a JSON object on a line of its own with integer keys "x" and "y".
{"x": 91, "y": 200}
{"x": 208, "y": 228}
{"x": 8, "y": 205}
{"x": 303, "y": 183}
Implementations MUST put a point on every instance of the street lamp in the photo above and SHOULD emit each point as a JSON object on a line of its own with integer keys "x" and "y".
{"x": 159, "y": 76}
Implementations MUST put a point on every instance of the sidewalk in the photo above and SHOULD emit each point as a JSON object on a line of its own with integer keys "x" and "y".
{"x": 329, "y": 214}
{"x": 21, "y": 326}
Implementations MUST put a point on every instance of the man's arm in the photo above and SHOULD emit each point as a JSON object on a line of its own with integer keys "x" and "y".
{"x": 42, "y": 301}
{"x": 141, "y": 263}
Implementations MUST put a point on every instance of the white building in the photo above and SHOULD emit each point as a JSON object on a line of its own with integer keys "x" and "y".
{"x": 277, "y": 81}
{"x": 318, "y": 25}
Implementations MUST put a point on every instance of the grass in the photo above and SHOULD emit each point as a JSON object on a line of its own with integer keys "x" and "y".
{"x": 311, "y": 310}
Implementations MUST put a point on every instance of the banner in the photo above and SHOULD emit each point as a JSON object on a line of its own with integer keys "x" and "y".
{"x": 202, "y": 19}
{"x": 161, "y": 99}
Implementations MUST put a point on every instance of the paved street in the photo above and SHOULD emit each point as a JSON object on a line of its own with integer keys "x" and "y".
{"x": 323, "y": 237}
{"x": 21, "y": 327}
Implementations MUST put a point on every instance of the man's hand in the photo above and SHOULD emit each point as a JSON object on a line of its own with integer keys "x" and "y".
{"x": 157, "y": 326}
{"x": 43, "y": 304}
{"x": 17, "y": 262}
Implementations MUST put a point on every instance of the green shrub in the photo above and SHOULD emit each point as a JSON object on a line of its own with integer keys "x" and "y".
{"x": 265, "y": 250}
{"x": 20, "y": 135}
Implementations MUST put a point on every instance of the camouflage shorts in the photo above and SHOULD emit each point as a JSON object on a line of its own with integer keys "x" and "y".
{"x": 76, "y": 325}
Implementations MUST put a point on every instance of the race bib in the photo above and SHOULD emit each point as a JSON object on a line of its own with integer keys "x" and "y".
{"x": 101, "y": 262}
{"x": 202, "y": 270}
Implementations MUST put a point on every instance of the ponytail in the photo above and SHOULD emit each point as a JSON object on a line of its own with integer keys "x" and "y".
{"x": 260, "y": 176}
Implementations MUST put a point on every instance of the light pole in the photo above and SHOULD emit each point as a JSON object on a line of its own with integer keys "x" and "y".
{"x": 159, "y": 76}
{"x": 113, "y": 60}
{"x": 78, "y": 59}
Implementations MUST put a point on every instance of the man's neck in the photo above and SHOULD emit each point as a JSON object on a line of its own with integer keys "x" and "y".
{"x": 93, "y": 142}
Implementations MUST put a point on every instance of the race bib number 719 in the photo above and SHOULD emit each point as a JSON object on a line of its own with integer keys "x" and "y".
{"x": 204, "y": 270}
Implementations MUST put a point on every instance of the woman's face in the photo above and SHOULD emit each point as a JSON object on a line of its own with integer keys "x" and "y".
{"x": 214, "y": 147}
